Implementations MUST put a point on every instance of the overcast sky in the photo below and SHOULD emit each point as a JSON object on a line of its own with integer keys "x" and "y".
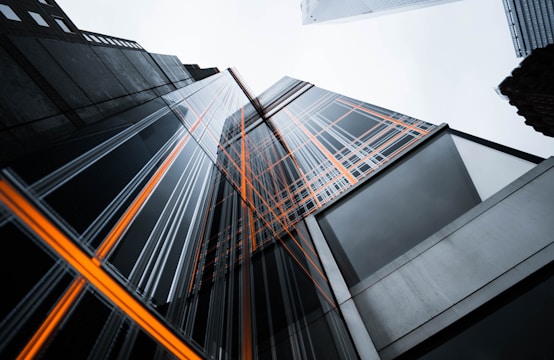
{"x": 438, "y": 64}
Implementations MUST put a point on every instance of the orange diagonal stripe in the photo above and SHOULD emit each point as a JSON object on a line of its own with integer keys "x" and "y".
{"x": 92, "y": 272}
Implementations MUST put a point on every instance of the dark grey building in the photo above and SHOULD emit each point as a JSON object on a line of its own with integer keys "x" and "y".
{"x": 57, "y": 79}
{"x": 531, "y": 24}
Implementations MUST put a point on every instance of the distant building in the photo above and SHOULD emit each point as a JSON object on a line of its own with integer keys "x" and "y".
{"x": 314, "y": 11}
{"x": 150, "y": 210}
{"x": 531, "y": 24}
{"x": 530, "y": 88}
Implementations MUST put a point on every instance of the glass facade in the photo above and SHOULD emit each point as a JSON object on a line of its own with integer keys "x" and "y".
{"x": 531, "y": 24}
{"x": 193, "y": 205}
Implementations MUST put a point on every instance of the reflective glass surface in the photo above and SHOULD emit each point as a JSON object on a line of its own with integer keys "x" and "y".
{"x": 178, "y": 218}
{"x": 388, "y": 215}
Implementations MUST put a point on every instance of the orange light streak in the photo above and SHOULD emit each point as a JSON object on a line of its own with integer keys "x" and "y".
{"x": 92, "y": 271}
{"x": 323, "y": 149}
{"x": 52, "y": 320}
{"x": 65, "y": 303}
{"x": 382, "y": 116}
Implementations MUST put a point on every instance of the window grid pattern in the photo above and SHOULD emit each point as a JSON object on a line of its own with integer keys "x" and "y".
{"x": 177, "y": 243}
{"x": 531, "y": 24}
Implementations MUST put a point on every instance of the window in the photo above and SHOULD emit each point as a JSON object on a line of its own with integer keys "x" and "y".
{"x": 45, "y": 2}
{"x": 63, "y": 25}
{"x": 38, "y": 19}
{"x": 103, "y": 40}
{"x": 110, "y": 41}
{"x": 94, "y": 38}
{"x": 9, "y": 13}
{"x": 87, "y": 38}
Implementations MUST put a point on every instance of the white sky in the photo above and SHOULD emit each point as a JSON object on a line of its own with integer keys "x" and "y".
{"x": 438, "y": 64}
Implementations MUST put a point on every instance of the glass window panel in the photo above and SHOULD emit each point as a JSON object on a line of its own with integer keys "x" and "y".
{"x": 38, "y": 19}
{"x": 490, "y": 169}
{"x": 78, "y": 335}
{"x": 106, "y": 178}
{"x": 61, "y": 23}
{"x": 356, "y": 124}
{"x": 22, "y": 252}
{"x": 9, "y": 13}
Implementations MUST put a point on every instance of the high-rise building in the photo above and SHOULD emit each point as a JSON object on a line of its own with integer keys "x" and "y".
{"x": 530, "y": 88}
{"x": 314, "y": 11}
{"x": 204, "y": 222}
{"x": 531, "y": 24}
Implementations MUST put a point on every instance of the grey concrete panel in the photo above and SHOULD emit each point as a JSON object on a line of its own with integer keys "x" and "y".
{"x": 43, "y": 131}
{"x": 338, "y": 285}
{"x": 90, "y": 114}
{"x": 86, "y": 69}
{"x": 47, "y": 66}
{"x": 122, "y": 68}
{"x": 20, "y": 97}
{"x": 467, "y": 260}
{"x": 360, "y": 337}
{"x": 146, "y": 66}
{"x": 470, "y": 303}
{"x": 358, "y": 332}
{"x": 183, "y": 83}
{"x": 144, "y": 96}
{"x": 112, "y": 107}
{"x": 171, "y": 66}
{"x": 162, "y": 90}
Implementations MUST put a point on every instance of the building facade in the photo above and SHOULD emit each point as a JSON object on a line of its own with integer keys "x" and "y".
{"x": 314, "y": 11}
{"x": 204, "y": 222}
{"x": 531, "y": 24}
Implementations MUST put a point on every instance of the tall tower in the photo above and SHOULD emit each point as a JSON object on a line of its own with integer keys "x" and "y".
{"x": 188, "y": 218}
{"x": 531, "y": 24}
{"x": 314, "y": 11}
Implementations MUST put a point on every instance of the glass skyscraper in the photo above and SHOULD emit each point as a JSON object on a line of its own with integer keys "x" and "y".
{"x": 182, "y": 217}
{"x": 314, "y": 11}
{"x": 531, "y": 24}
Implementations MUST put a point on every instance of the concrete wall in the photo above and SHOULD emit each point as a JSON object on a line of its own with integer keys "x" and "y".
{"x": 487, "y": 250}
{"x": 470, "y": 261}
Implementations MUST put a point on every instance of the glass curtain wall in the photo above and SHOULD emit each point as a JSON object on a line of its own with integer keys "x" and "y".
{"x": 168, "y": 230}
{"x": 180, "y": 221}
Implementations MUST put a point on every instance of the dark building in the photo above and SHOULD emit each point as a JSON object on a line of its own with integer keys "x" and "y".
{"x": 530, "y": 88}
{"x": 57, "y": 80}
{"x": 531, "y": 24}
{"x": 204, "y": 222}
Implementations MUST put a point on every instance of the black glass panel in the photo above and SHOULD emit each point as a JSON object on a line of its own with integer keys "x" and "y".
{"x": 357, "y": 124}
{"x": 39, "y": 164}
{"x": 22, "y": 267}
{"x": 78, "y": 333}
{"x": 24, "y": 323}
{"x": 85, "y": 196}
